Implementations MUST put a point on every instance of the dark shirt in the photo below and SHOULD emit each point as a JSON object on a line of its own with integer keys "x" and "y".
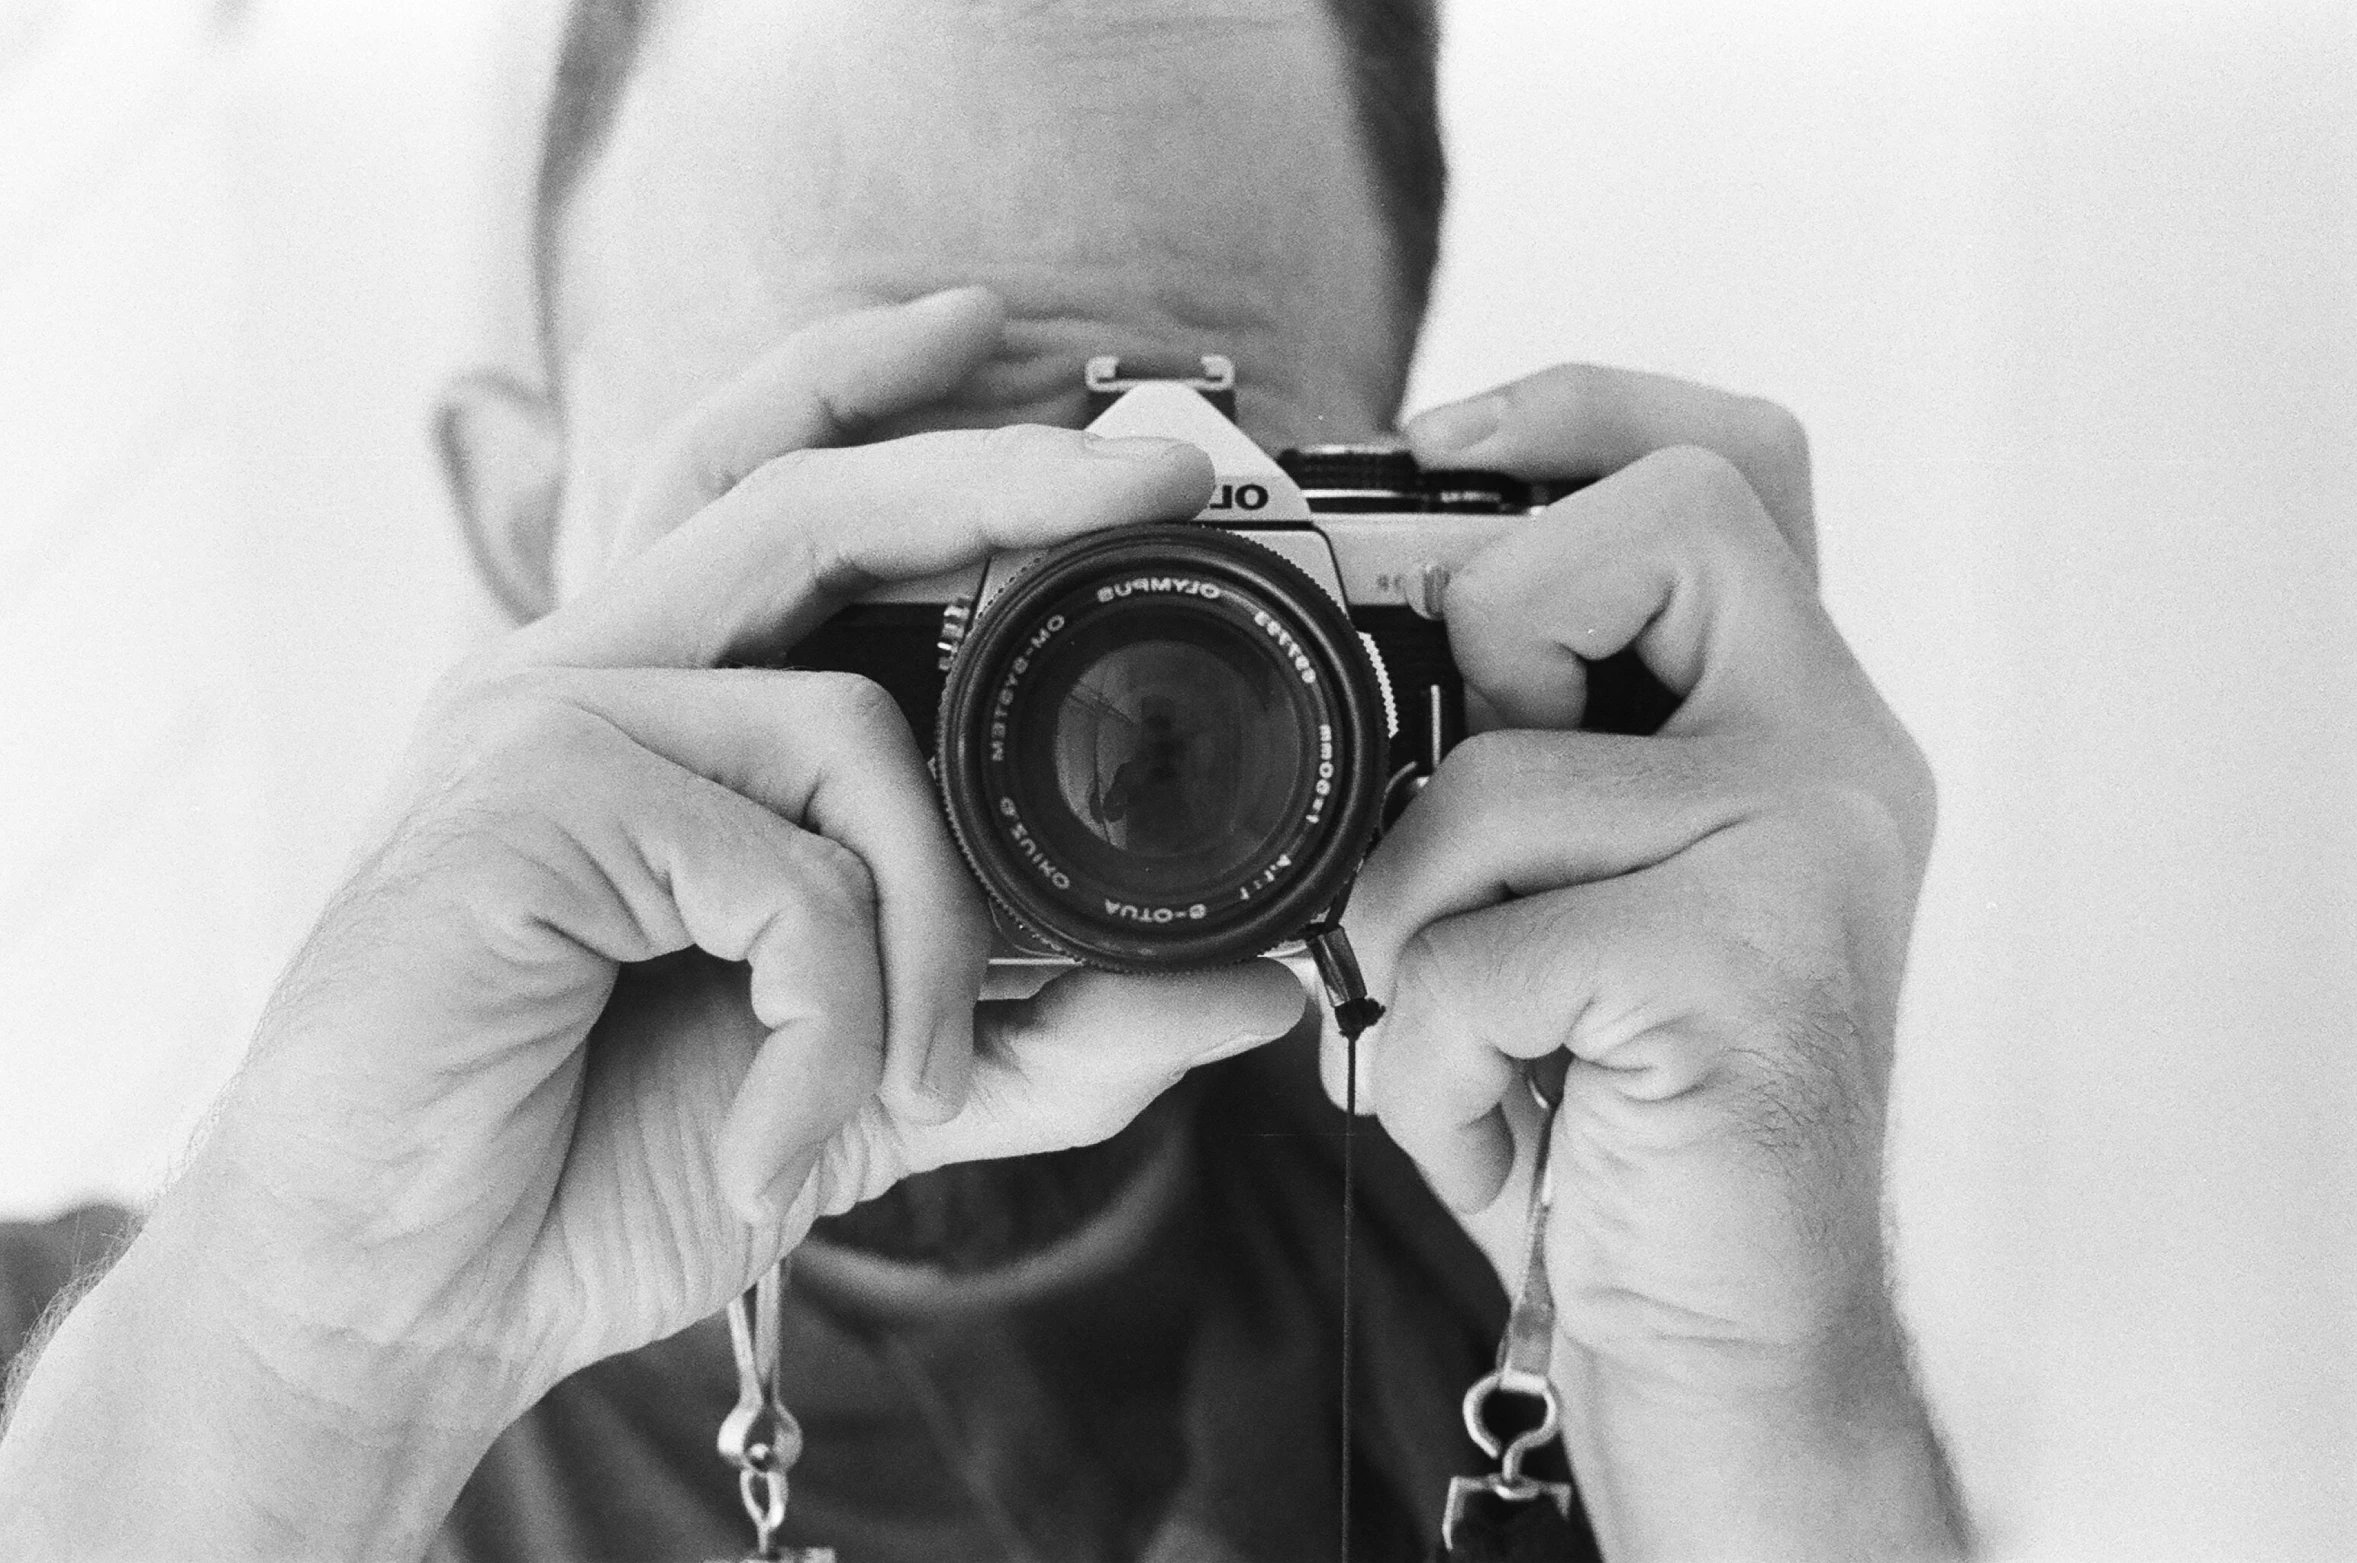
{"x": 39, "y": 1260}
{"x": 1185, "y": 1408}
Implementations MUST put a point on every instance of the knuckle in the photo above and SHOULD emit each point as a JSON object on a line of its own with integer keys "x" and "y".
{"x": 1423, "y": 1003}
{"x": 688, "y": 484}
{"x": 1485, "y": 590}
{"x": 1886, "y": 790}
{"x": 785, "y": 470}
{"x": 860, "y": 1077}
{"x": 500, "y": 798}
{"x": 1913, "y": 789}
{"x": 505, "y": 745}
{"x": 1773, "y": 435}
{"x": 855, "y": 703}
{"x": 808, "y": 506}
{"x": 1707, "y": 484}
{"x": 836, "y": 878}
{"x": 1421, "y": 983}
{"x": 1482, "y": 770}
{"x": 1713, "y": 507}
{"x": 525, "y": 711}
{"x": 681, "y": 474}
{"x": 448, "y": 697}
{"x": 1024, "y": 443}
{"x": 464, "y": 687}
{"x": 1444, "y": 970}
{"x": 703, "y": 459}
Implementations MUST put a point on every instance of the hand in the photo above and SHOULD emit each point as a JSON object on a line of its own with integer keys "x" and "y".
{"x": 591, "y": 796}
{"x": 651, "y": 965}
{"x": 1048, "y": 1081}
{"x": 1712, "y": 923}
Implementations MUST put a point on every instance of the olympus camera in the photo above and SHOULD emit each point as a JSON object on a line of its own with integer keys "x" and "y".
{"x": 1169, "y": 746}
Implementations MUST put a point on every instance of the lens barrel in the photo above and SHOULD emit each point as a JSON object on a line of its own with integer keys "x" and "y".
{"x": 1161, "y": 748}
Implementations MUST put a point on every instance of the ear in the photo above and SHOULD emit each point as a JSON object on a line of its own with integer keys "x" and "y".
{"x": 503, "y": 455}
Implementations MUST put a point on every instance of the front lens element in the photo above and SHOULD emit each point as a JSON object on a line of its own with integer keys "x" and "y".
{"x": 1177, "y": 749}
{"x": 1155, "y": 746}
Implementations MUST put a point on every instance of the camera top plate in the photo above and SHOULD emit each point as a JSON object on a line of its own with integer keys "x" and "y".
{"x": 1361, "y": 560}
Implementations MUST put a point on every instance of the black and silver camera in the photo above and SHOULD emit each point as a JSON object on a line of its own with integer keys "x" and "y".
{"x": 1169, "y": 746}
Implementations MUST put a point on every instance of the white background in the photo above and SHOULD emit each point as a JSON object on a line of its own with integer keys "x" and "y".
{"x": 2065, "y": 293}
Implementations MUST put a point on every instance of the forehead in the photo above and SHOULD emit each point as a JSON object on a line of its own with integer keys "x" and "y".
{"x": 1172, "y": 165}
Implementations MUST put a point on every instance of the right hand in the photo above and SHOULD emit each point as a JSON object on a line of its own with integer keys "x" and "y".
{"x": 502, "y": 1114}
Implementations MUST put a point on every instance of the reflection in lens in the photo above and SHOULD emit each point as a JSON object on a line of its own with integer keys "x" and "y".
{"x": 1162, "y": 748}
{"x": 1183, "y": 756}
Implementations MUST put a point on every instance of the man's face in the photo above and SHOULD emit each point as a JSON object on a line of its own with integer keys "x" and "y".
{"x": 1165, "y": 176}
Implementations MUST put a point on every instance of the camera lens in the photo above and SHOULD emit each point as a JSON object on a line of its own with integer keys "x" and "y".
{"x": 1177, "y": 754}
{"x": 1162, "y": 748}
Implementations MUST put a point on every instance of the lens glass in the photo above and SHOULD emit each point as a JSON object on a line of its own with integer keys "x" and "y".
{"x": 1162, "y": 747}
{"x": 1181, "y": 750}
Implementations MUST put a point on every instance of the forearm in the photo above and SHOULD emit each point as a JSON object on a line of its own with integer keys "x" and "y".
{"x": 1850, "y": 1468}
{"x": 150, "y": 1427}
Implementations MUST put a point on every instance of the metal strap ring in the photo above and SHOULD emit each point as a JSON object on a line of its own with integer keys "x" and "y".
{"x": 1510, "y": 1455}
{"x": 764, "y": 1493}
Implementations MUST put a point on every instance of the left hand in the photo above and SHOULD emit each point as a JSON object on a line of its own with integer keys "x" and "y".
{"x": 497, "y": 1116}
{"x": 1713, "y": 923}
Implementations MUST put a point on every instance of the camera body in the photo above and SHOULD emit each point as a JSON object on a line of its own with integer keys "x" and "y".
{"x": 1169, "y": 746}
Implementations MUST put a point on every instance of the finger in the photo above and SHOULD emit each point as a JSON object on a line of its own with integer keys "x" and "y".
{"x": 829, "y": 384}
{"x": 1588, "y": 421}
{"x": 1694, "y": 993}
{"x": 816, "y": 986}
{"x": 1518, "y": 813}
{"x": 637, "y": 858}
{"x": 1077, "y": 1061}
{"x": 1439, "y": 1064}
{"x": 1483, "y": 994}
{"x": 1672, "y": 556}
{"x": 758, "y": 569}
{"x": 831, "y": 752}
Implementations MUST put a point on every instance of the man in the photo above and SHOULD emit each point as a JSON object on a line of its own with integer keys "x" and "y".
{"x": 655, "y": 963}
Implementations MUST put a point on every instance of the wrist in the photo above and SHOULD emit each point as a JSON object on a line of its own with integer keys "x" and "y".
{"x": 376, "y": 1321}
{"x": 1834, "y": 1456}
{"x": 154, "y": 1413}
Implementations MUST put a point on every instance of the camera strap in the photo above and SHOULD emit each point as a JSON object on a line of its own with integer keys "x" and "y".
{"x": 762, "y": 1440}
{"x": 1354, "y": 1011}
{"x": 760, "y": 1436}
{"x": 1508, "y": 1516}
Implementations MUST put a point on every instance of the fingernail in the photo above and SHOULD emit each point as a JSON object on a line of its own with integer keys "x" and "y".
{"x": 771, "y": 1204}
{"x": 949, "y": 1062}
{"x": 1130, "y": 447}
{"x": 1241, "y": 1042}
{"x": 1458, "y": 426}
{"x": 1249, "y": 1037}
{"x": 948, "y": 299}
{"x": 758, "y": 1206}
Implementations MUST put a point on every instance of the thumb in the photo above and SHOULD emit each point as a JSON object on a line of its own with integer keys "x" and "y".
{"x": 1077, "y": 1061}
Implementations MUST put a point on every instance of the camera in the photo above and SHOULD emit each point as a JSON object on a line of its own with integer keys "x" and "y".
{"x": 1169, "y": 746}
